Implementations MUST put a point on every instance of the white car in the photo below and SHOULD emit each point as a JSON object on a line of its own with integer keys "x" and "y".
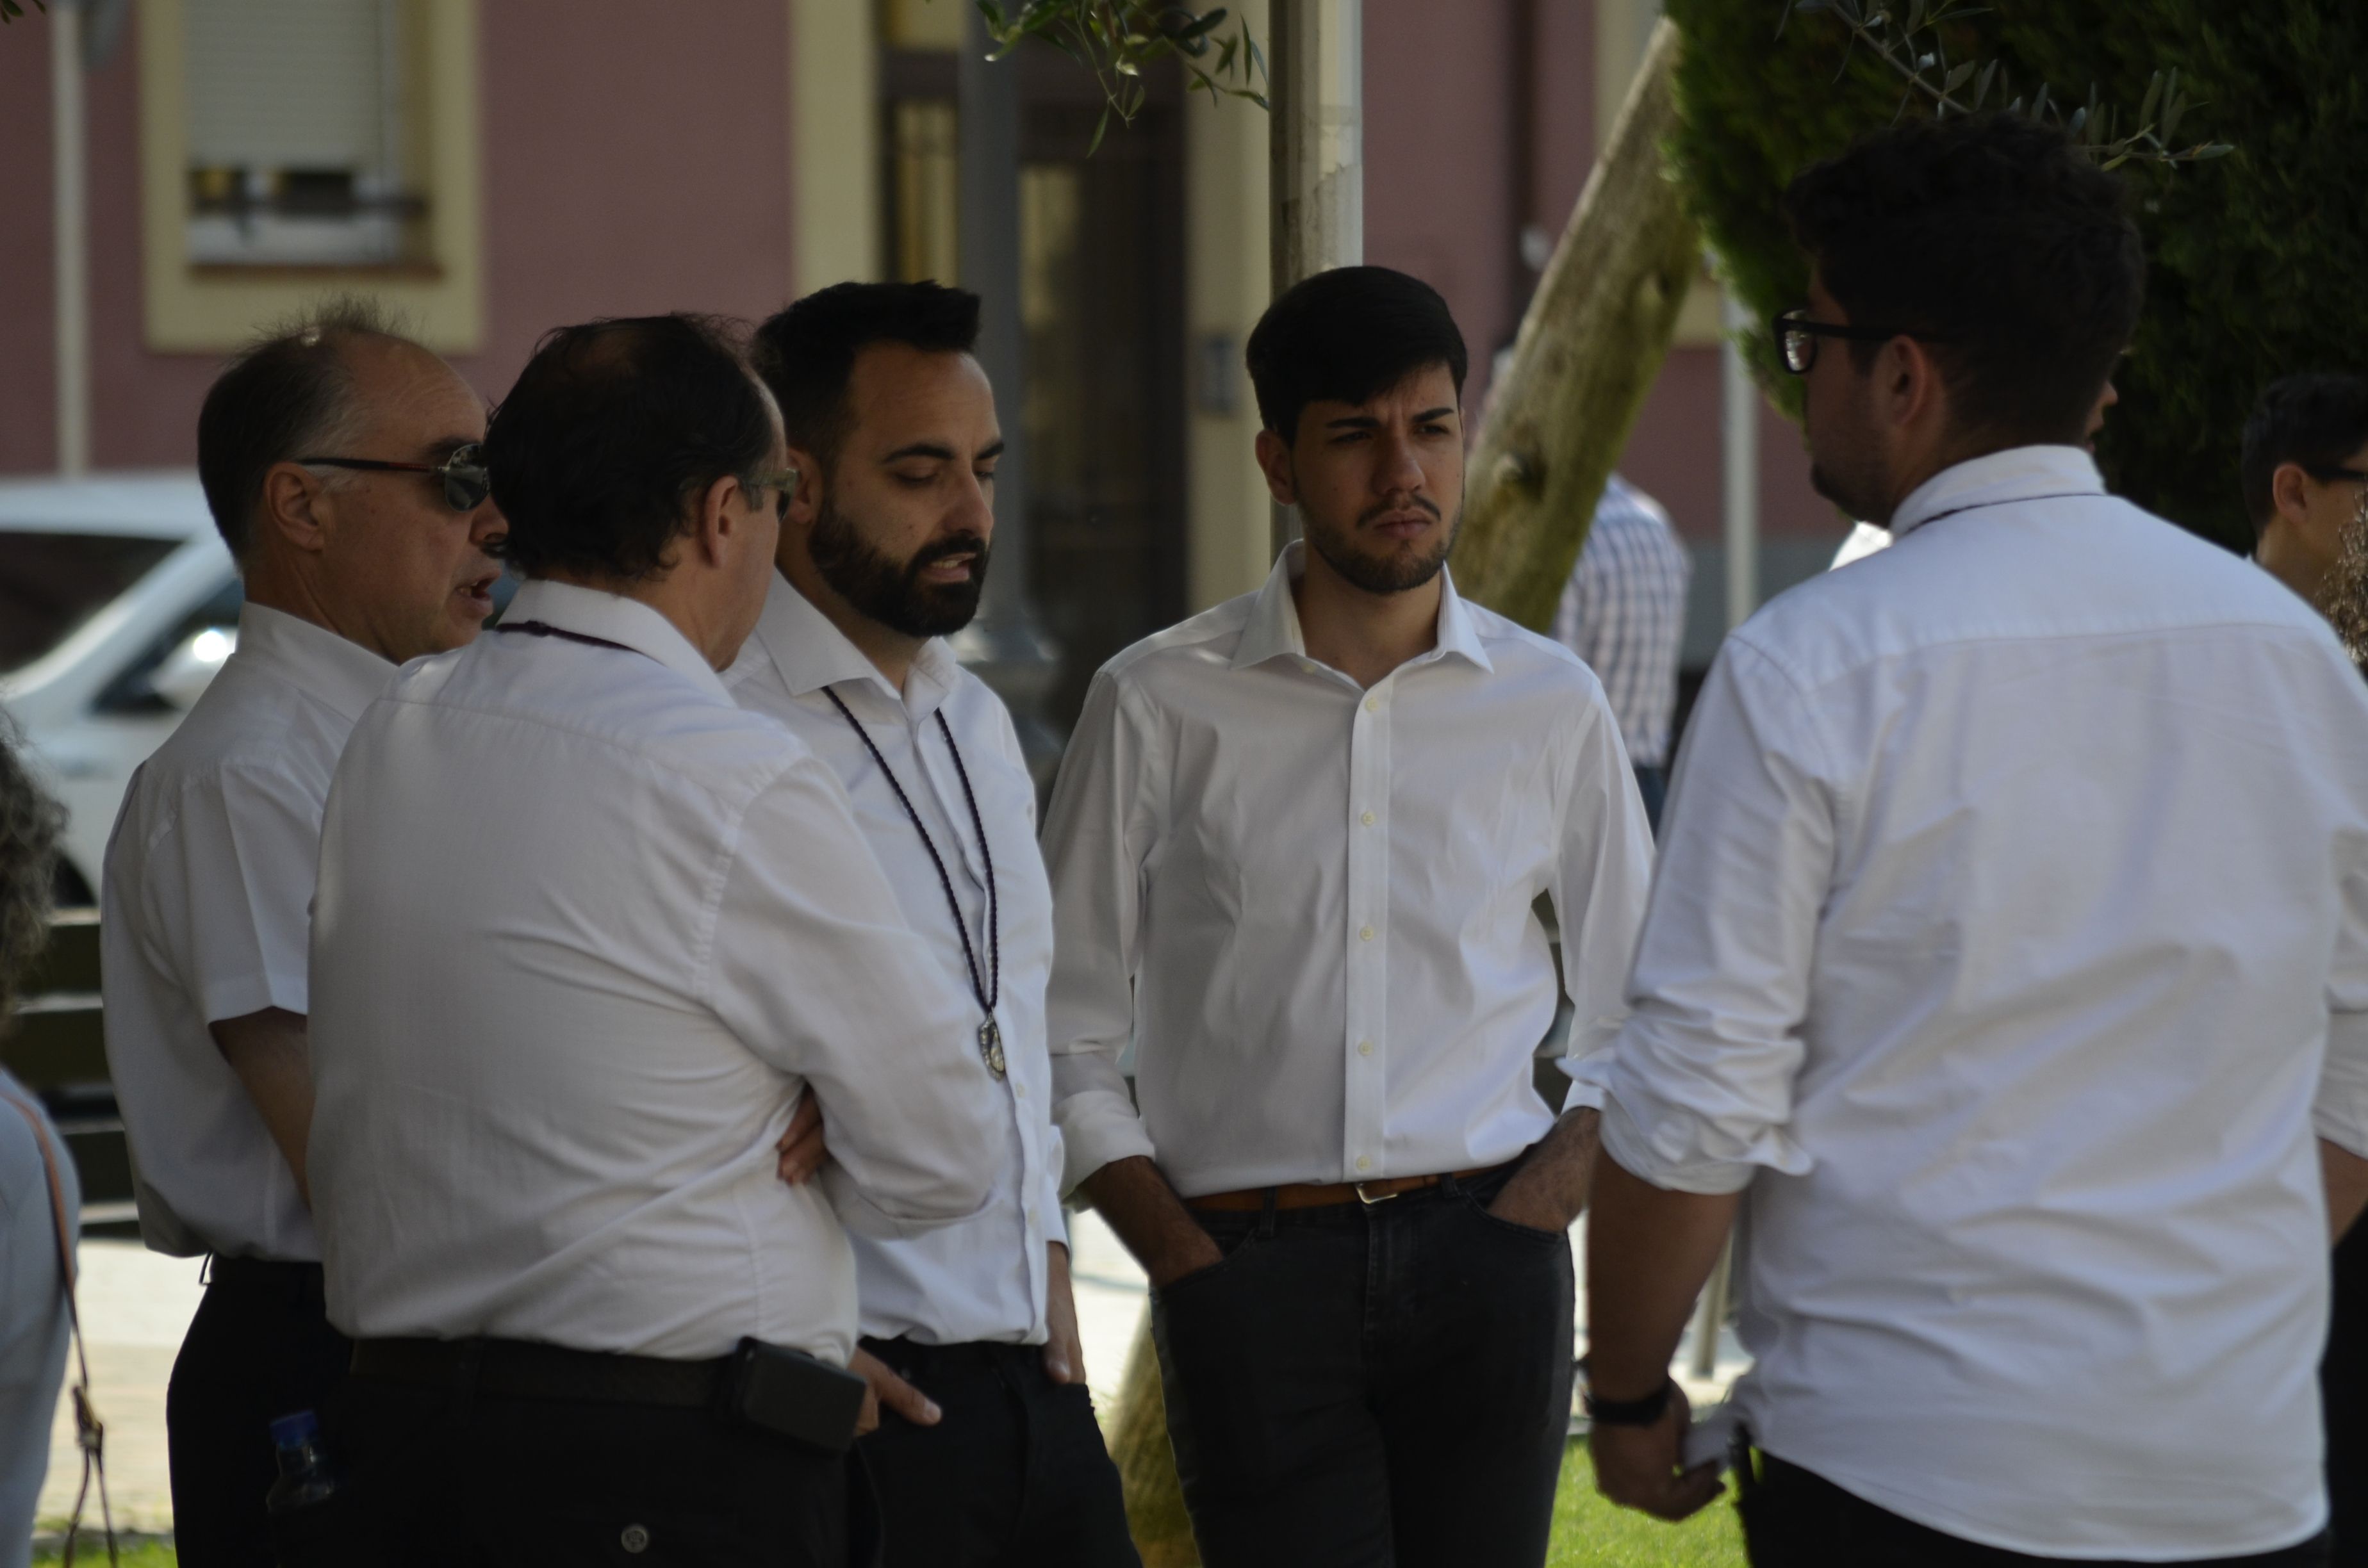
{"x": 118, "y": 603}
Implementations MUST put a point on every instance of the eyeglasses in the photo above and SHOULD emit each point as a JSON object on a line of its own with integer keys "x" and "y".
{"x": 782, "y": 483}
{"x": 2329, "y": 475}
{"x": 466, "y": 482}
{"x": 1796, "y": 337}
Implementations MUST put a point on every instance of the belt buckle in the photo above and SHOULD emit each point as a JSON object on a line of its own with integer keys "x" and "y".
{"x": 1368, "y": 1201}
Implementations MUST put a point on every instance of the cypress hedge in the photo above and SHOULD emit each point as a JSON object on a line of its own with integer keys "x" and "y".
{"x": 2258, "y": 262}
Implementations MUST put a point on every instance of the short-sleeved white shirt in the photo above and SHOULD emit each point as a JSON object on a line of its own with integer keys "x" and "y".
{"x": 205, "y": 916}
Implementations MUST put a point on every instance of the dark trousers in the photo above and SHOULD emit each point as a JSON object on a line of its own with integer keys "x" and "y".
{"x": 1014, "y": 1476}
{"x": 260, "y": 1347}
{"x": 1654, "y": 785}
{"x": 1371, "y": 1385}
{"x": 1795, "y": 1518}
{"x": 452, "y": 1477}
{"x": 2343, "y": 1384}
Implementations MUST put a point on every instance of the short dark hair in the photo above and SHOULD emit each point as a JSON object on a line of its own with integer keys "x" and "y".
{"x": 1347, "y": 335}
{"x": 806, "y": 353}
{"x": 283, "y": 396}
{"x": 611, "y": 425}
{"x": 2317, "y": 420}
{"x": 1997, "y": 240}
{"x": 32, "y": 821}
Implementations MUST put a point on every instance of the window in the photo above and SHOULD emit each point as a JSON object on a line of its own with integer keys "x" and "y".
{"x": 55, "y": 582}
{"x": 296, "y": 126}
{"x": 291, "y": 148}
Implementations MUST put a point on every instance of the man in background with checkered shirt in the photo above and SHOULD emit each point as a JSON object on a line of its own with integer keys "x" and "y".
{"x": 1623, "y": 611}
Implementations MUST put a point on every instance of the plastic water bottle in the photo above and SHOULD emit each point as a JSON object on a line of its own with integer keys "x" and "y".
{"x": 306, "y": 1525}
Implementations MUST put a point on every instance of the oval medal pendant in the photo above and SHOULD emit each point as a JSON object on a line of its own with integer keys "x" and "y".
{"x": 990, "y": 1047}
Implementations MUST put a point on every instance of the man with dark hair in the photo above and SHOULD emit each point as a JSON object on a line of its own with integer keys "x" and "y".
{"x": 2034, "y": 1064}
{"x": 341, "y": 464}
{"x": 1296, "y": 848}
{"x": 585, "y": 933}
{"x": 987, "y": 1452}
{"x": 2303, "y": 468}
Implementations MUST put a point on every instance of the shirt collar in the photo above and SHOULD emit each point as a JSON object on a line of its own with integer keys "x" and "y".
{"x": 1273, "y": 626}
{"x": 810, "y": 653}
{"x": 613, "y": 618}
{"x": 2019, "y": 474}
{"x": 341, "y": 673}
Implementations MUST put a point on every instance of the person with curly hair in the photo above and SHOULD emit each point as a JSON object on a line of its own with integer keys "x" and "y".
{"x": 34, "y": 1326}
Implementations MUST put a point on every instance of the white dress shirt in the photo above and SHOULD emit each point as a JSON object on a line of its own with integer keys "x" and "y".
{"x": 204, "y": 910}
{"x": 1310, "y": 906}
{"x": 2013, "y": 919}
{"x": 34, "y": 1328}
{"x": 984, "y": 1279}
{"x": 584, "y": 930}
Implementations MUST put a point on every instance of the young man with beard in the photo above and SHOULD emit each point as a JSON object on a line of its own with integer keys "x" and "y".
{"x": 342, "y": 467}
{"x": 989, "y": 1453}
{"x": 1296, "y": 848}
{"x": 2007, "y": 972}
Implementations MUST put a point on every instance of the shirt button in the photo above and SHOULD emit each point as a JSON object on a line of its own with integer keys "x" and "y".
{"x": 1364, "y": 1163}
{"x": 1365, "y": 935}
{"x": 1368, "y": 819}
{"x": 1364, "y": 1048}
{"x": 1373, "y": 705}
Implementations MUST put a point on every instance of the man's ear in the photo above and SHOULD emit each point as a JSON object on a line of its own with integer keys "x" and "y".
{"x": 297, "y": 507}
{"x": 1274, "y": 461}
{"x": 722, "y": 507}
{"x": 1910, "y": 382}
{"x": 2290, "y": 493}
{"x": 805, "y": 500}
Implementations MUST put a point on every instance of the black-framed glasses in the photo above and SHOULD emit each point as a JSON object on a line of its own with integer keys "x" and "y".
{"x": 2330, "y": 474}
{"x": 1796, "y": 337}
{"x": 466, "y": 483}
{"x": 782, "y": 483}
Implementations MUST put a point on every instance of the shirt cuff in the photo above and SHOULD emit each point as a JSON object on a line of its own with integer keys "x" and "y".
{"x": 238, "y": 995}
{"x": 1668, "y": 1162}
{"x": 2339, "y": 1111}
{"x": 1098, "y": 1127}
{"x": 1052, "y": 1215}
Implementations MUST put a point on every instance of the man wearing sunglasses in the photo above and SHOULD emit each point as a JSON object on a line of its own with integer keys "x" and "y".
{"x": 340, "y": 462}
{"x": 2305, "y": 468}
{"x": 2006, "y": 973}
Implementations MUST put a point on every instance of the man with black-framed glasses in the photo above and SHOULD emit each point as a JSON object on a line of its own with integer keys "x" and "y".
{"x": 2304, "y": 467}
{"x": 340, "y": 462}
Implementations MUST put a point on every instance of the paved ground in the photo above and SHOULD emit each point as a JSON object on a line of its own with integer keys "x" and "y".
{"x": 136, "y": 1305}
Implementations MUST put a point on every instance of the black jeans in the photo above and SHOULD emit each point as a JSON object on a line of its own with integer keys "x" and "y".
{"x": 260, "y": 1347}
{"x": 1014, "y": 1476}
{"x": 1795, "y": 1518}
{"x": 454, "y": 1478}
{"x": 1371, "y": 1385}
{"x": 1654, "y": 785}
{"x": 2343, "y": 1384}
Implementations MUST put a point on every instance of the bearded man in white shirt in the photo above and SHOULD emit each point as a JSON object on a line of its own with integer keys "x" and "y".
{"x": 988, "y": 1452}
{"x": 2007, "y": 963}
{"x": 342, "y": 465}
{"x": 1296, "y": 848}
{"x": 586, "y": 932}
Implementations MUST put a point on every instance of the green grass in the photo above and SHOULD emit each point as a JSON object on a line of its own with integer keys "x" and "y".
{"x": 91, "y": 1550}
{"x": 1590, "y": 1533}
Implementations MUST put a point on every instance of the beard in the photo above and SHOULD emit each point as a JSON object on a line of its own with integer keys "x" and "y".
{"x": 2347, "y": 585}
{"x": 893, "y": 593}
{"x": 1394, "y": 573}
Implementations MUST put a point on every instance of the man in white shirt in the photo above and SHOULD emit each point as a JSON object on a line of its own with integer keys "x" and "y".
{"x": 586, "y": 932}
{"x": 341, "y": 465}
{"x": 1294, "y": 850}
{"x": 891, "y": 429}
{"x": 2009, "y": 946}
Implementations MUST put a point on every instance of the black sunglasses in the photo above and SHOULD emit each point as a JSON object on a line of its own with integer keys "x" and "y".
{"x": 2329, "y": 475}
{"x": 466, "y": 483}
{"x": 1796, "y": 337}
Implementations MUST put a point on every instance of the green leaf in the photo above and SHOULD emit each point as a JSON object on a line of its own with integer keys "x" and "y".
{"x": 1956, "y": 76}
{"x": 1982, "y": 87}
{"x": 2153, "y": 98}
{"x": 1102, "y": 128}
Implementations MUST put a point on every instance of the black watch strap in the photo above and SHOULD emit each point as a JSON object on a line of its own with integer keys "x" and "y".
{"x": 1644, "y": 1412}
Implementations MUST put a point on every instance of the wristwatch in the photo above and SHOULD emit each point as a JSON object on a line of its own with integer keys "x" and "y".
{"x": 1644, "y": 1412}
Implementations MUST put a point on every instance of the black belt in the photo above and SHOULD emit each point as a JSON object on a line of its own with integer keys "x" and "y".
{"x": 519, "y": 1369}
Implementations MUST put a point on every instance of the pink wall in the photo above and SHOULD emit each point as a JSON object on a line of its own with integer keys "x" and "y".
{"x": 1440, "y": 203}
{"x": 628, "y": 168}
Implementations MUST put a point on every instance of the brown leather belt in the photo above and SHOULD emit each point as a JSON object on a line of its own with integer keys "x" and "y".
{"x": 1325, "y": 1194}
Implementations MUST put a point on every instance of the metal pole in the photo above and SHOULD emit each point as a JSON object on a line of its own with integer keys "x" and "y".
{"x": 1740, "y": 466}
{"x": 1005, "y": 645}
{"x": 1316, "y": 150}
{"x": 69, "y": 188}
